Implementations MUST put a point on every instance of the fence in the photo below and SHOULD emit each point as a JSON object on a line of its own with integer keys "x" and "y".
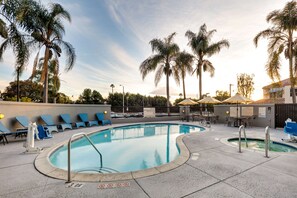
{"x": 283, "y": 112}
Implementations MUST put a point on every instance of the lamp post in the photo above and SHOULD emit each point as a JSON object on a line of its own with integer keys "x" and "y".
{"x": 123, "y": 98}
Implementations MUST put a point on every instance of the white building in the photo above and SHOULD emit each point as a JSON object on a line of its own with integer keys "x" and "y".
{"x": 279, "y": 92}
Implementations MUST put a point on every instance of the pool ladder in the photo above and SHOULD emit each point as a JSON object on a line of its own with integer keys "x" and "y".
{"x": 69, "y": 153}
{"x": 267, "y": 141}
{"x": 239, "y": 138}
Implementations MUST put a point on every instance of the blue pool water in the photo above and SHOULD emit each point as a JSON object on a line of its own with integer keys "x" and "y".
{"x": 124, "y": 149}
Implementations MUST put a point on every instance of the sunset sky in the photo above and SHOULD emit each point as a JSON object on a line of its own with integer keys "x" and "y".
{"x": 111, "y": 38}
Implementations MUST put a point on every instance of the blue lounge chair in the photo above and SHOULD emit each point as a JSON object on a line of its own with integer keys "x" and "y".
{"x": 5, "y": 131}
{"x": 100, "y": 117}
{"x": 67, "y": 119}
{"x": 50, "y": 125}
{"x": 85, "y": 119}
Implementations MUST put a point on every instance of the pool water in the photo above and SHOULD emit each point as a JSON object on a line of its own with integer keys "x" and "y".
{"x": 124, "y": 149}
{"x": 260, "y": 145}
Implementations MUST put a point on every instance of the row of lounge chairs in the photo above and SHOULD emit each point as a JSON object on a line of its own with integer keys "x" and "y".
{"x": 50, "y": 126}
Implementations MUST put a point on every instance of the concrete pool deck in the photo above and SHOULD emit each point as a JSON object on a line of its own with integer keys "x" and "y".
{"x": 214, "y": 169}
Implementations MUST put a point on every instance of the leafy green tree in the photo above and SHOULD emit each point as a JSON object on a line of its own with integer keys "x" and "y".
{"x": 29, "y": 91}
{"x": 97, "y": 97}
{"x": 90, "y": 97}
{"x": 221, "y": 95}
{"x": 85, "y": 97}
{"x": 281, "y": 41}
{"x": 166, "y": 52}
{"x": 245, "y": 84}
{"x": 47, "y": 32}
{"x": 184, "y": 63}
{"x": 63, "y": 98}
{"x": 201, "y": 46}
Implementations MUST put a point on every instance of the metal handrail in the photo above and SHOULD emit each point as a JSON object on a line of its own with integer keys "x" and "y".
{"x": 69, "y": 153}
{"x": 239, "y": 138}
{"x": 267, "y": 141}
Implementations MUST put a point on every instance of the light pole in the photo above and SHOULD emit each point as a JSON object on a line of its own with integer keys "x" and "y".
{"x": 123, "y": 99}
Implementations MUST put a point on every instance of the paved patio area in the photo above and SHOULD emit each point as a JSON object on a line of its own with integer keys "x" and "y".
{"x": 214, "y": 170}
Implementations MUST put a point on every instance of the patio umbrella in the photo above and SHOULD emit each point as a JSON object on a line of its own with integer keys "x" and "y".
{"x": 187, "y": 102}
{"x": 236, "y": 99}
{"x": 209, "y": 100}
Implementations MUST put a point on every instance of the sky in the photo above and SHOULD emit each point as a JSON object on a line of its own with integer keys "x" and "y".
{"x": 111, "y": 39}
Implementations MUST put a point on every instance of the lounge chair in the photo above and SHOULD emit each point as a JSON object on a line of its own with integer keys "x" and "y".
{"x": 67, "y": 119}
{"x": 50, "y": 125}
{"x": 24, "y": 121}
{"x": 85, "y": 119}
{"x": 5, "y": 131}
{"x": 100, "y": 117}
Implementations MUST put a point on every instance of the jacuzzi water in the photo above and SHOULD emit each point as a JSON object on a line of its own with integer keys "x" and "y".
{"x": 260, "y": 145}
{"x": 124, "y": 149}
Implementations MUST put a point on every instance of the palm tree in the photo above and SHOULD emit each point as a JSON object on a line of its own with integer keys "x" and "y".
{"x": 54, "y": 81}
{"x": 183, "y": 66}
{"x": 281, "y": 40}
{"x": 48, "y": 31}
{"x": 166, "y": 51}
{"x": 201, "y": 46}
{"x": 11, "y": 30}
{"x": 112, "y": 87}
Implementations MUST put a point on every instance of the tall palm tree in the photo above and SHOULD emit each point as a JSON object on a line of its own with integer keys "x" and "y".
{"x": 281, "y": 40}
{"x": 166, "y": 51}
{"x": 11, "y": 29}
{"x": 112, "y": 87}
{"x": 201, "y": 46}
{"x": 54, "y": 81}
{"x": 183, "y": 66}
{"x": 47, "y": 33}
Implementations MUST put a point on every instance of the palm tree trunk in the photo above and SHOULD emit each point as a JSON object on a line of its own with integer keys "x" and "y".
{"x": 45, "y": 84}
{"x": 292, "y": 77}
{"x": 18, "y": 85}
{"x": 184, "y": 88}
{"x": 167, "y": 93}
{"x": 200, "y": 82}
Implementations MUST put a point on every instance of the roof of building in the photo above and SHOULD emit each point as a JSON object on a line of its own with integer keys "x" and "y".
{"x": 282, "y": 83}
{"x": 270, "y": 101}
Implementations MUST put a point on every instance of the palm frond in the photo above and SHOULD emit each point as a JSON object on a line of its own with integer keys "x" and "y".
{"x": 208, "y": 67}
{"x": 70, "y": 54}
{"x": 216, "y": 47}
{"x": 273, "y": 66}
{"x": 159, "y": 73}
{"x": 150, "y": 64}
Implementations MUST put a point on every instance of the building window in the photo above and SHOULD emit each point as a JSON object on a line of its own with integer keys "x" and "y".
{"x": 291, "y": 92}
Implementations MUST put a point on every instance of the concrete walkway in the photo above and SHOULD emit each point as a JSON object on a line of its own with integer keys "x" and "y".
{"x": 214, "y": 170}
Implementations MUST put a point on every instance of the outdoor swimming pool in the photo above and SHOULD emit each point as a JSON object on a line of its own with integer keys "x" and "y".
{"x": 124, "y": 149}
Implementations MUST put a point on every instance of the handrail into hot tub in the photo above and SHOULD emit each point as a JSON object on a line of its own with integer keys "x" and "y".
{"x": 239, "y": 138}
{"x": 69, "y": 153}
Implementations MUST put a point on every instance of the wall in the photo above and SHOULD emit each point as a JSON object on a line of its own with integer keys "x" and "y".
{"x": 259, "y": 121}
{"x": 34, "y": 110}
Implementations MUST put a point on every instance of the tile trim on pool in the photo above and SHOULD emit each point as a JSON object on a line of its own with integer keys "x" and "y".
{"x": 43, "y": 165}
